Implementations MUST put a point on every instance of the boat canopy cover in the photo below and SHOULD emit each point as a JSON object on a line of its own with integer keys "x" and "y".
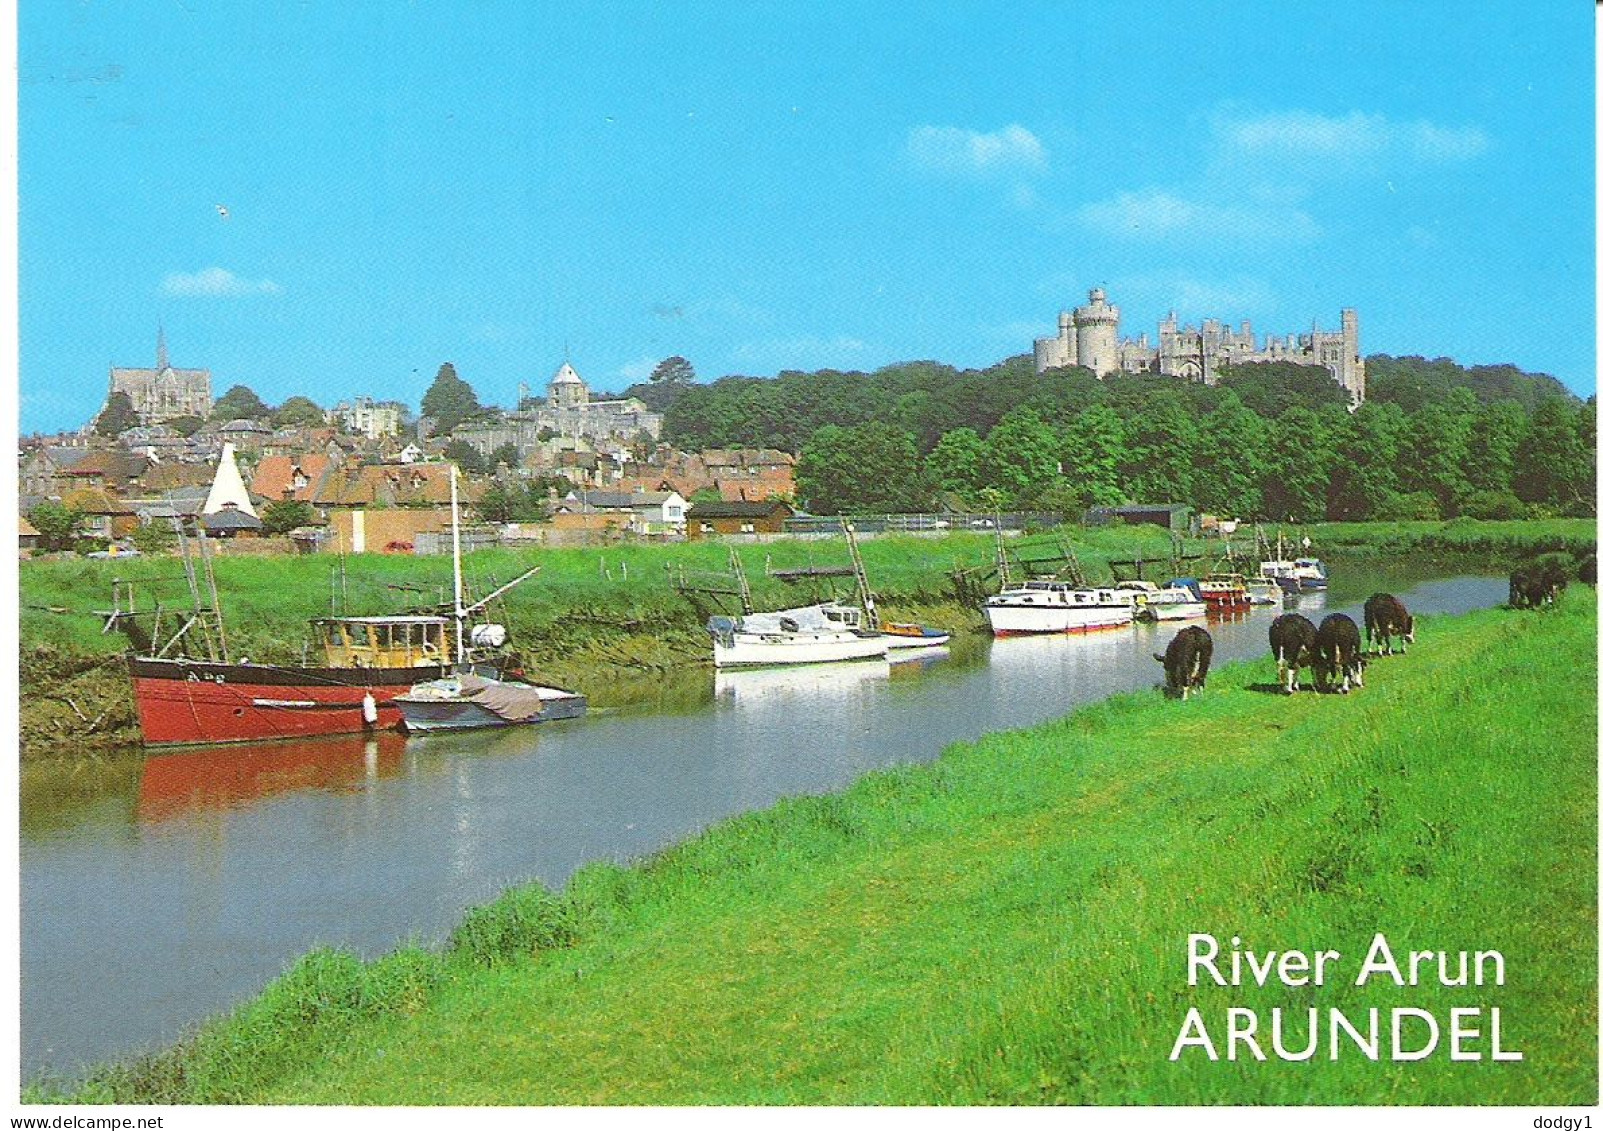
{"x": 514, "y": 702}
{"x": 808, "y": 618}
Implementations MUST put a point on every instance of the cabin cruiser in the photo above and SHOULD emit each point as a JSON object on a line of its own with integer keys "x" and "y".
{"x": 1175, "y": 601}
{"x": 1057, "y": 606}
{"x": 812, "y": 634}
{"x": 1298, "y": 575}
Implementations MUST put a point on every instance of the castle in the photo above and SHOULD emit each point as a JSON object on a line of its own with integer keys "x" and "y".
{"x": 163, "y": 392}
{"x": 568, "y": 412}
{"x": 1089, "y": 337}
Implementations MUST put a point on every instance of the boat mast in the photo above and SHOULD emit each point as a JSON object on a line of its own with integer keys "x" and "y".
{"x": 864, "y": 596}
{"x": 456, "y": 567}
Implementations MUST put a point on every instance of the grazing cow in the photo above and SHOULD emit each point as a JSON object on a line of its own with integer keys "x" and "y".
{"x": 1185, "y": 662}
{"x": 1524, "y": 587}
{"x": 1340, "y": 653}
{"x": 1292, "y": 639}
{"x": 1385, "y": 617}
{"x": 1553, "y": 575}
{"x": 1539, "y": 581}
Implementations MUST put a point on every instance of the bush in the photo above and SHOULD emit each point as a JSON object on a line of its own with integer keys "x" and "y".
{"x": 1493, "y": 506}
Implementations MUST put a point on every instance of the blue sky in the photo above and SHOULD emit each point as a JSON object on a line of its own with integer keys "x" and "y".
{"x": 761, "y": 187}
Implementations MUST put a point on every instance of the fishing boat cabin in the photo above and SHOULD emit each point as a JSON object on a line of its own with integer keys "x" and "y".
{"x": 386, "y": 641}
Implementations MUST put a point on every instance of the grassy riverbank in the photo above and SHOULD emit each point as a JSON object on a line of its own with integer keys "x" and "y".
{"x": 606, "y": 620}
{"x": 1009, "y": 924}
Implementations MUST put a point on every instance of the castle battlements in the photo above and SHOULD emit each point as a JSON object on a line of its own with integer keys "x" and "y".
{"x": 1089, "y": 337}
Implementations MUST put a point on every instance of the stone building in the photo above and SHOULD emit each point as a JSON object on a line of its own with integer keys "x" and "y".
{"x": 1089, "y": 337}
{"x": 569, "y": 412}
{"x": 163, "y": 393}
{"x": 370, "y": 418}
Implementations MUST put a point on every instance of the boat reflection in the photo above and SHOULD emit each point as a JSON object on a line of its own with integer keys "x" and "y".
{"x": 210, "y": 778}
{"x": 907, "y": 663}
{"x": 809, "y": 682}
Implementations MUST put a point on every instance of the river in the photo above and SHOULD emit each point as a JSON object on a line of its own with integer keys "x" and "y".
{"x": 162, "y": 892}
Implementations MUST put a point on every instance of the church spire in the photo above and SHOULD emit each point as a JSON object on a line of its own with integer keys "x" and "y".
{"x": 161, "y": 347}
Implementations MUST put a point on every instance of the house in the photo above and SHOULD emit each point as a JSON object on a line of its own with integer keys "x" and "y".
{"x": 768, "y": 516}
{"x": 640, "y": 512}
{"x": 229, "y": 521}
{"x": 27, "y": 534}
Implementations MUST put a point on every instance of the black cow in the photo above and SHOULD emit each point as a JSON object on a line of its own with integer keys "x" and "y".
{"x": 1292, "y": 640}
{"x": 1524, "y": 586}
{"x": 1538, "y": 581}
{"x": 1384, "y": 617}
{"x": 1185, "y": 662}
{"x": 1340, "y": 653}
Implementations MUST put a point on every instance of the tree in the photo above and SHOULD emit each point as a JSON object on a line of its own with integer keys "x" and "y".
{"x": 298, "y": 412}
{"x": 1021, "y": 457}
{"x": 185, "y": 425}
{"x": 673, "y": 371}
{"x": 957, "y": 464}
{"x": 869, "y": 468}
{"x": 285, "y": 515}
{"x": 118, "y": 416}
{"x": 1094, "y": 448}
{"x": 504, "y": 456}
{"x": 59, "y": 527}
{"x": 450, "y": 401}
{"x": 465, "y": 456}
{"x": 512, "y": 502}
{"x": 154, "y": 537}
{"x": 239, "y": 403}
{"x": 1230, "y": 460}
{"x": 1556, "y": 465}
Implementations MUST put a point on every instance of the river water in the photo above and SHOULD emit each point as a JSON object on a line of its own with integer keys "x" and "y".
{"x": 173, "y": 889}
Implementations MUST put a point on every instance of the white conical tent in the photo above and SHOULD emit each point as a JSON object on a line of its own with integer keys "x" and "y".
{"x": 228, "y": 487}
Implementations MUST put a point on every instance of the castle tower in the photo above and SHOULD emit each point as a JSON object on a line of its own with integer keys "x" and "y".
{"x": 161, "y": 348}
{"x": 1058, "y": 352}
{"x": 1351, "y": 370}
{"x": 1096, "y": 330}
{"x": 566, "y": 389}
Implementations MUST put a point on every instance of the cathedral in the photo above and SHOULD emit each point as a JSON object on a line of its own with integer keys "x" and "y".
{"x": 163, "y": 392}
{"x": 1089, "y": 337}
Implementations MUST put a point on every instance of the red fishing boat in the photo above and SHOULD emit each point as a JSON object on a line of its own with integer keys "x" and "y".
{"x": 1222, "y": 591}
{"x": 367, "y": 662}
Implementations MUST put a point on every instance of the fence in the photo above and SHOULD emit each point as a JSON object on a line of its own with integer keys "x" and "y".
{"x": 1010, "y": 523}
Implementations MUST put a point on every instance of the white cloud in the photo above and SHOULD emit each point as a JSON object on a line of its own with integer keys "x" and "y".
{"x": 1298, "y": 135}
{"x": 216, "y": 282}
{"x": 949, "y": 149}
{"x": 1157, "y": 214}
{"x": 1440, "y": 143}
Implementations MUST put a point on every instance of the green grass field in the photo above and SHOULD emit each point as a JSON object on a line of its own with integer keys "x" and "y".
{"x": 1008, "y": 924}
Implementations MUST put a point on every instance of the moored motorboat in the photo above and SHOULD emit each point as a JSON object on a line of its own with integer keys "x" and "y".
{"x": 1264, "y": 591}
{"x": 1175, "y": 601}
{"x": 899, "y": 637}
{"x": 1056, "y": 606}
{"x": 812, "y": 634}
{"x": 1223, "y": 590}
{"x": 471, "y": 702}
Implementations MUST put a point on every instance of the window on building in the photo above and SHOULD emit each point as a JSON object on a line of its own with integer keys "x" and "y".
{"x": 748, "y": 528}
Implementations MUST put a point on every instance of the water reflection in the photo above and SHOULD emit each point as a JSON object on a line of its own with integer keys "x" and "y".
{"x": 227, "y": 777}
{"x": 219, "y": 867}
